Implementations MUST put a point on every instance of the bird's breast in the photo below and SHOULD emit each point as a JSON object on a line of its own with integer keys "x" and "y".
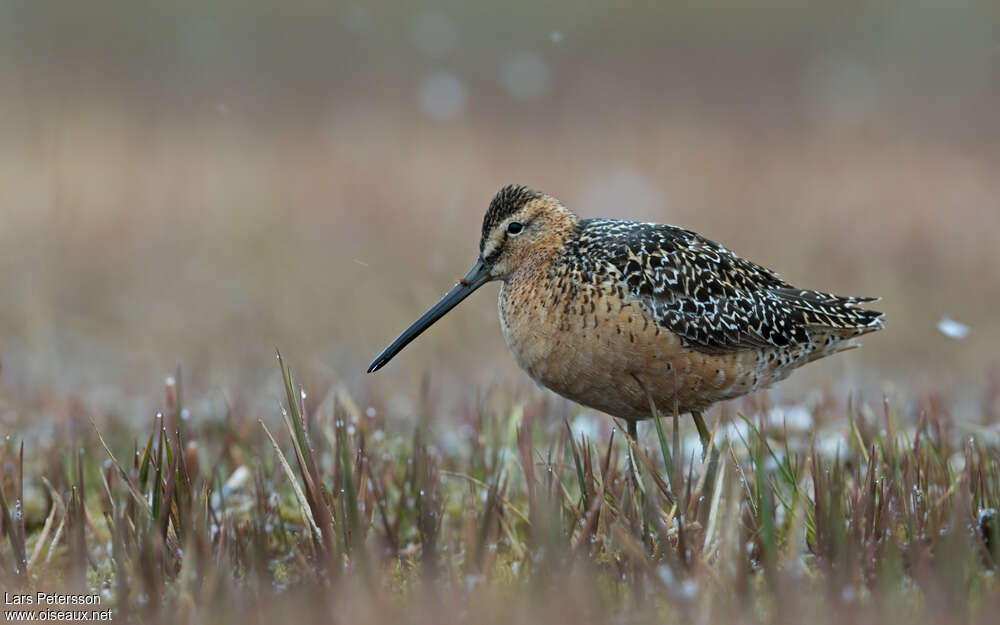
{"x": 590, "y": 345}
{"x": 528, "y": 327}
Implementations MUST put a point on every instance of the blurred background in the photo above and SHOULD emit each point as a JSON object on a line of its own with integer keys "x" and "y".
{"x": 201, "y": 182}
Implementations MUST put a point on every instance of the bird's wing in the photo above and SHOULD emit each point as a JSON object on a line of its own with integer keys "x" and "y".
{"x": 717, "y": 301}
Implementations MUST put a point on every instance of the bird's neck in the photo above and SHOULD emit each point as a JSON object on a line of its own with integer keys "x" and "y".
{"x": 562, "y": 228}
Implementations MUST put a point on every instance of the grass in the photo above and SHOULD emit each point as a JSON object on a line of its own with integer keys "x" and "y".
{"x": 326, "y": 515}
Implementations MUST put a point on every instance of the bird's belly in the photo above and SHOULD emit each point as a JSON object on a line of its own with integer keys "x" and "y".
{"x": 609, "y": 356}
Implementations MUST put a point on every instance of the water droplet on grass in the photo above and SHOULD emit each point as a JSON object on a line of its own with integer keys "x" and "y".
{"x": 953, "y": 329}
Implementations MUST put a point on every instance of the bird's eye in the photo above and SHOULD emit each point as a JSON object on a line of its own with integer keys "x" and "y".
{"x": 515, "y": 227}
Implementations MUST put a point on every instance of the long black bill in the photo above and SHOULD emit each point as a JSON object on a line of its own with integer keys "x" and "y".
{"x": 477, "y": 277}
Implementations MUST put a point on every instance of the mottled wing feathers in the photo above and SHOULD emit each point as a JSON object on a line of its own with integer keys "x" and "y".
{"x": 712, "y": 298}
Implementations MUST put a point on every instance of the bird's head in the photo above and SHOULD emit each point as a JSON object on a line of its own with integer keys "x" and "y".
{"x": 521, "y": 229}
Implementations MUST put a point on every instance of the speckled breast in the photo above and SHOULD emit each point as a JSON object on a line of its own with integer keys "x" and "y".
{"x": 603, "y": 351}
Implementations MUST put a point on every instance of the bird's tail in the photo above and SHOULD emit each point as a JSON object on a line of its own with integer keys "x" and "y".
{"x": 840, "y": 316}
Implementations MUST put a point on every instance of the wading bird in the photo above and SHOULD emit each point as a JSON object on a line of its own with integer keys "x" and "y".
{"x": 618, "y": 314}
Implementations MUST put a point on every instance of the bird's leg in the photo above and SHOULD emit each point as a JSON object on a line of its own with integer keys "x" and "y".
{"x": 703, "y": 433}
{"x": 633, "y": 434}
{"x": 637, "y": 491}
{"x": 713, "y": 462}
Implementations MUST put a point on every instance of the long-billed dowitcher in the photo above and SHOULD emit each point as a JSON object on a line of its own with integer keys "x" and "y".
{"x": 613, "y": 314}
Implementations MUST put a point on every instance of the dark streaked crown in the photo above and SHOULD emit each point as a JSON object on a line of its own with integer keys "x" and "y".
{"x": 505, "y": 203}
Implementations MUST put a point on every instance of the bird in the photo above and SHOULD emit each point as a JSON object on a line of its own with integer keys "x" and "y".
{"x": 630, "y": 318}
